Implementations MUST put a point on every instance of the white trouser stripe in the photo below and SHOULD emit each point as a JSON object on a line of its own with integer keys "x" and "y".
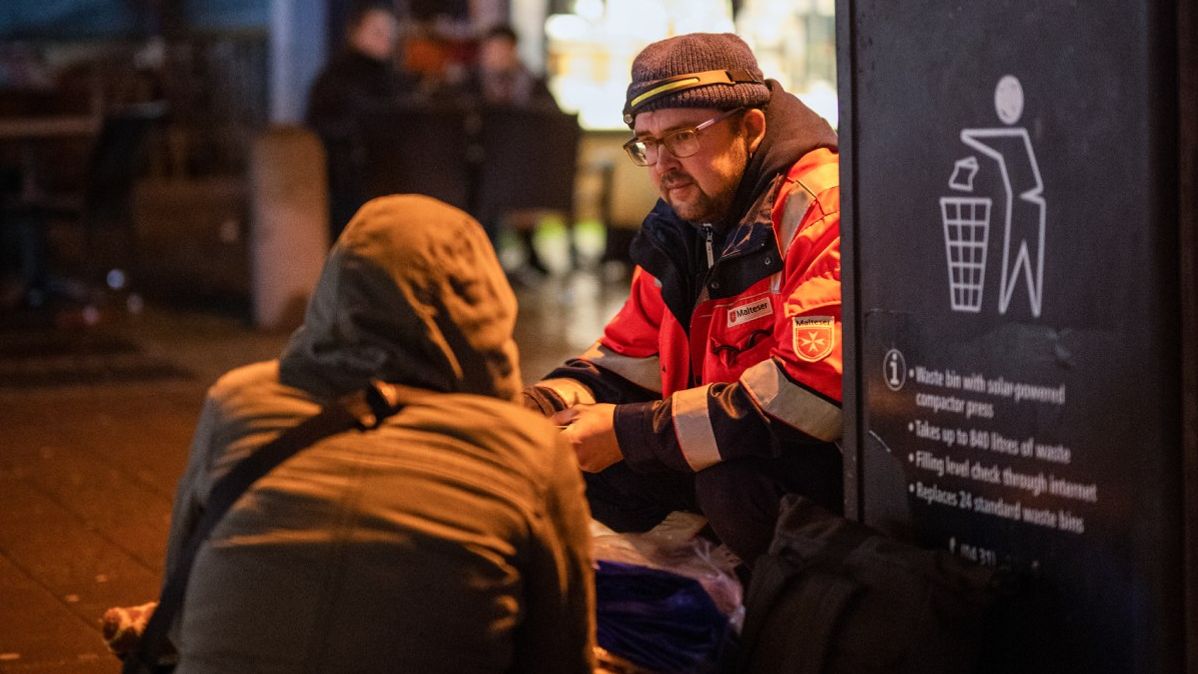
{"x": 692, "y": 425}
{"x": 790, "y": 403}
{"x": 644, "y": 372}
{"x": 572, "y": 391}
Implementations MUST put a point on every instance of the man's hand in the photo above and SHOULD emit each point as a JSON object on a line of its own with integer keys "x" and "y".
{"x": 590, "y": 430}
{"x": 124, "y": 625}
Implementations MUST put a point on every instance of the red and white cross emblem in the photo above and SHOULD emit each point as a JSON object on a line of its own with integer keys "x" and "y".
{"x": 813, "y": 337}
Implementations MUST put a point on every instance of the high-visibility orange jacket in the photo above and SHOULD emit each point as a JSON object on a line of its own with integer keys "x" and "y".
{"x": 725, "y": 348}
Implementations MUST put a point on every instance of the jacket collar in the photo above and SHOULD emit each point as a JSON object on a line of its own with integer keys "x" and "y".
{"x": 667, "y": 246}
{"x": 791, "y": 130}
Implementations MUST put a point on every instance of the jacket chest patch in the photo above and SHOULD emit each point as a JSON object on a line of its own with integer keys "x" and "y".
{"x": 813, "y": 337}
{"x": 749, "y": 311}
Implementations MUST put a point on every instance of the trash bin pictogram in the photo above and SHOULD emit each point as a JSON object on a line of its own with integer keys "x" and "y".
{"x": 966, "y": 232}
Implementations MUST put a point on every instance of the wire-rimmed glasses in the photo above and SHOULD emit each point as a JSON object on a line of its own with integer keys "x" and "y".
{"x": 681, "y": 143}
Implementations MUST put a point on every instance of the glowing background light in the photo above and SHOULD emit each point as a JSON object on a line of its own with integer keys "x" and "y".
{"x": 591, "y": 49}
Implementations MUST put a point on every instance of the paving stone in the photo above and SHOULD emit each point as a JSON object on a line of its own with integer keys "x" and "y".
{"x": 68, "y": 556}
{"x": 38, "y": 633}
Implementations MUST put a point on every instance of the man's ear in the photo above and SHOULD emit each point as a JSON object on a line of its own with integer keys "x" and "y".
{"x": 754, "y": 125}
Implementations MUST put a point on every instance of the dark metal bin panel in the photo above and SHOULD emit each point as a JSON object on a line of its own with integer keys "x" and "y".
{"x": 1011, "y": 225}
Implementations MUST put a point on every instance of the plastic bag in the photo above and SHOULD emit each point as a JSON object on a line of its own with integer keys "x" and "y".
{"x": 660, "y": 620}
{"x": 674, "y": 545}
{"x": 668, "y": 600}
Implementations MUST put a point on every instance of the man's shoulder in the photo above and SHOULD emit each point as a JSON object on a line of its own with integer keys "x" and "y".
{"x": 253, "y": 384}
{"x": 502, "y": 430}
{"x": 471, "y": 411}
{"x": 239, "y": 378}
{"x": 818, "y": 170}
{"x": 812, "y": 180}
{"x": 808, "y": 199}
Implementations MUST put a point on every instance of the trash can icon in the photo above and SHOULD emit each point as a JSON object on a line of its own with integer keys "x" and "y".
{"x": 966, "y": 232}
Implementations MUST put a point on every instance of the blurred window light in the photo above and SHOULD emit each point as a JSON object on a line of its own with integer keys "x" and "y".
{"x": 567, "y": 28}
{"x": 591, "y": 10}
{"x": 590, "y": 50}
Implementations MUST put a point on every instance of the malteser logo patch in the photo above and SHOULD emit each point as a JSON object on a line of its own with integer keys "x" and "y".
{"x": 814, "y": 337}
{"x": 750, "y": 311}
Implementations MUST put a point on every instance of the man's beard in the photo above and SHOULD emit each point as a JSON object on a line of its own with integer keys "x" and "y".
{"x": 703, "y": 208}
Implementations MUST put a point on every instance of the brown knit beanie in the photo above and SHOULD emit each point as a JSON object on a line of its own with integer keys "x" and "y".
{"x": 697, "y": 70}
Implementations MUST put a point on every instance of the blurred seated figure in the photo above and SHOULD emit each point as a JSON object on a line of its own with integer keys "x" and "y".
{"x": 500, "y": 79}
{"x": 361, "y": 77}
{"x": 452, "y": 538}
{"x": 437, "y": 53}
{"x": 22, "y": 248}
{"x": 100, "y": 204}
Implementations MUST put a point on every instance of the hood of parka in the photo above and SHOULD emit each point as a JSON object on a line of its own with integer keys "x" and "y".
{"x": 411, "y": 293}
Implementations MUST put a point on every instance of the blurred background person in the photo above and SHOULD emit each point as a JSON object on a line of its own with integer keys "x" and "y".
{"x": 499, "y": 78}
{"x": 360, "y": 77}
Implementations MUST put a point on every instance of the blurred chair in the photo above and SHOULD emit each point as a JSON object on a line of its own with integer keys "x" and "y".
{"x": 103, "y": 207}
{"x": 107, "y": 200}
{"x": 529, "y": 161}
{"x": 417, "y": 149}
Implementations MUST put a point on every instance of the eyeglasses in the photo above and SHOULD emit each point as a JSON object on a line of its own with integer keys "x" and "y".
{"x": 681, "y": 143}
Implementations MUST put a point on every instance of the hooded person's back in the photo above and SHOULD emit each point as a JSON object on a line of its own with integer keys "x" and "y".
{"x": 451, "y": 539}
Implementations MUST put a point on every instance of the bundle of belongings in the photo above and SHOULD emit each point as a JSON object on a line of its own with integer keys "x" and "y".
{"x": 832, "y": 596}
{"x": 667, "y": 600}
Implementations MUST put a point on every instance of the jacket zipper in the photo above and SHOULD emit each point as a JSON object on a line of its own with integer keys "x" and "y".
{"x": 709, "y": 245}
{"x": 707, "y": 236}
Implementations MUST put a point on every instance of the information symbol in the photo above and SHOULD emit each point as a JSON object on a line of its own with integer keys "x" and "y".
{"x": 894, "y": 369}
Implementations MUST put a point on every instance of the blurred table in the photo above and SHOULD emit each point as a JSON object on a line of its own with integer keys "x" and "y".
{"x": 55, "y": 126}
{"x": 29, "y": 130}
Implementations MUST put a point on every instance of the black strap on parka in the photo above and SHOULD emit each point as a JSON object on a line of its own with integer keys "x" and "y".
{"x": 362, "y": 410}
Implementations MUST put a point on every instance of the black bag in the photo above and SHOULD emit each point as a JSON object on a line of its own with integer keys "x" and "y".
{"x": 833, "y": 596}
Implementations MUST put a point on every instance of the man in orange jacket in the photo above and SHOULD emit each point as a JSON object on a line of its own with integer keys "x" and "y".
{"x": 717, "y": 387}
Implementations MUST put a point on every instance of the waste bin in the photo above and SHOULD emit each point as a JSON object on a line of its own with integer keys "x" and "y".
{"x": 1019, "y": 319}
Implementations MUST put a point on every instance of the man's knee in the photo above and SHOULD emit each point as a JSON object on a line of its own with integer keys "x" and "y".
{"x": 740, "y": 500}
{"x": 628, "y": 501}
{"x": 737, "y": 489}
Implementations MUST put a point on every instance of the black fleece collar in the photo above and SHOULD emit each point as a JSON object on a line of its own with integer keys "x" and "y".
{"x": 791, "y": 130}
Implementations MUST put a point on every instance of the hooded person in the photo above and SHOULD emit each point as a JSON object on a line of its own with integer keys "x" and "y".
{"x": 452, "y": 538}
{"x": 717, "y": 387}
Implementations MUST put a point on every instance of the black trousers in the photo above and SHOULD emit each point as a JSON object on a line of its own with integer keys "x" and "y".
{"x": 739, "y": 498}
